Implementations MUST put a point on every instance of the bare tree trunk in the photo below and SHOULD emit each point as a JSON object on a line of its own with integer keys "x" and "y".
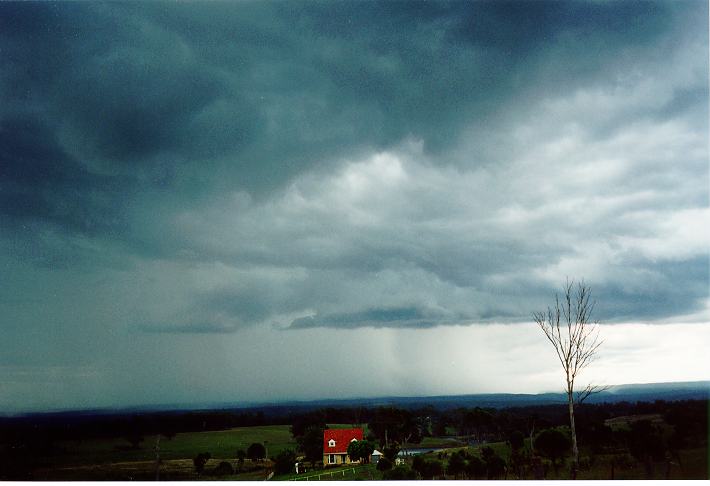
{"x": 573, "y": 431}
{"x": 532, "y": 432}
{"x": 575, "y": 338}
{"x": 157, "y": 458}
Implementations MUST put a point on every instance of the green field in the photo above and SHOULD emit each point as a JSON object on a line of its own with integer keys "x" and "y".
{"x": 222, "y": 444}
{"x": 693, "y": 464}
{"x": 114, "y": 458}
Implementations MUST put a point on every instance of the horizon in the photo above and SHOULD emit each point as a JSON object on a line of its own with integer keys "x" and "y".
{"x": 249, "y": 405}
{"x": 246, "y": 201}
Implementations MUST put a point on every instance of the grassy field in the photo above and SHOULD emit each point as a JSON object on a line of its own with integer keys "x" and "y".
{"x": 693, "y": 465}
{"x": 221, "y": 444}
{"x": 113, "y": 458}
{"x": 365, "y": 429}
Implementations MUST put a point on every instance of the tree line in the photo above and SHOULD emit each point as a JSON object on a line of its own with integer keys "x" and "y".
{"x": 24, "y": 441}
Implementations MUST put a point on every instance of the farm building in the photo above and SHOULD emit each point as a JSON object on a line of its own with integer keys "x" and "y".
{"x": 335, "y": 445}
{"x": 375, "y": 457}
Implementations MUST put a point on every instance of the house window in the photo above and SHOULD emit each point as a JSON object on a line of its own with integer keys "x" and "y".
{"x": 331, "y": 459}
{"x": 331, "y": 443}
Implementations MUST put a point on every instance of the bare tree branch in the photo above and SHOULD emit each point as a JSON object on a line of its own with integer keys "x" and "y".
{"x": 575, "y": 337}
{"x": 590, "y": 390}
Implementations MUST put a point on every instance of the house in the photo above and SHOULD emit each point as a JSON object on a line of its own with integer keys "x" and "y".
{"x": 335, "y": 445}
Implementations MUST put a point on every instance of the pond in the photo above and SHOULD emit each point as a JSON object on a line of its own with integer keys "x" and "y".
{"x": 422, "y": 450}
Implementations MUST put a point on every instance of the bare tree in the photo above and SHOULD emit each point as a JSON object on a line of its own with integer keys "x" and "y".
{"x": 575, "y": 337}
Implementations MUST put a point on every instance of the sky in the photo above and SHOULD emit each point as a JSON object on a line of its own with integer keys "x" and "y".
{"x": 261, "y": 201}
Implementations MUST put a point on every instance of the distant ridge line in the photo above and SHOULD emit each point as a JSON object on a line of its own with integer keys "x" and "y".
{"x": 627, "y": 392}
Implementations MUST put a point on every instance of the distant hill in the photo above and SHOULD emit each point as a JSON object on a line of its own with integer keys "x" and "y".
{"x": 646, "y": 392}
{"x": 617, "y": 393}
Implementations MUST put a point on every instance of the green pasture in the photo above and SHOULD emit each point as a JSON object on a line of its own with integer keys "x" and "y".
{"x": 365, "y": 429}
{"x": 221, "y": 444}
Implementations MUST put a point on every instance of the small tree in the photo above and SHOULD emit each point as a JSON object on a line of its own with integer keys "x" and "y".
{"x": 241, "y": 455}
{"x": 495, "y": 465}
{"x": 223, "y": 469}
{"x": 256, "y": 451}
{"x": 434, "y": 468}
{"x": 475, "y": 468}
{"x": 134, "y": 437}
{"x": 400, "y": 473}
{"x": 360, "y": 449}
{"x": 553, "y": 444}
{"x": 384, "y": 464}
{"x": 646, "y": 444}
{"x": 516, "y": 440}
{"x": 311, "y": 444}
{"x": 391, "y": 453}
{"x": 457, "y": 464}
{"x": 284, "y": 461}
{"x": 427, "y": 468}
{"x": 575, "y": 336}
{"x": 200, "y": 460}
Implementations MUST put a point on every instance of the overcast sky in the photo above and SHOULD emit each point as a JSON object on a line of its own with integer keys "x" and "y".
{"x": 276, "y": 200}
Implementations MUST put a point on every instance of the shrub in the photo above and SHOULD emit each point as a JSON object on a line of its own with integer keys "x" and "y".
{"x": 256, "y": 451}
{"x": 284, "y": 461}
{"x": 391, "y": 452}
{"x": 200, "y": 460}
{"x": 516, "y": 440}
{"x": 475, "y": 468}
{"x": 400, "y": 473}
{"x": 223, "y": 469}
{"x": 427, "y": 468}
{"x": 495, "y": 467}
{"x": 457, "y": 465}
{"x": 553, "y": 444}
{"x": 384, "y": 464}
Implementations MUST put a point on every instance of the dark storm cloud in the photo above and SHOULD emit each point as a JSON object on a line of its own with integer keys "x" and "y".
{"x": 397, "y": 317}
{"x": 234, "y": 147}
{"x": 190, "y": 95}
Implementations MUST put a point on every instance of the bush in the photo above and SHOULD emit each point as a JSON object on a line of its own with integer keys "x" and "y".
{"x": 475, "y": 468}
{"x": 256, "y": 451}
{"x": 495, "y": 467}
{"x": 241, "y": 455}
{"x": 285, "y": 461}
{"x": 553, "y": 444}
{"x": 200, "y": 460}
{"x": 390, "y": 452}
{"x": 400, "y": 473}
{"x": 516, "y": 440}
{"x": 457, "y": 464}
{"x": 384, "y": 464}
{"x": 429, "y": 468}
{"x": 223, "y": 469}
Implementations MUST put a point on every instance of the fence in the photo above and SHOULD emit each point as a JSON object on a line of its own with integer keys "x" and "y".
{"x": 327, "y": 475}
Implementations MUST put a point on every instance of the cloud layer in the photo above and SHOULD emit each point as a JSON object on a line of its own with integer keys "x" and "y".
{"x": 180, "y": 171}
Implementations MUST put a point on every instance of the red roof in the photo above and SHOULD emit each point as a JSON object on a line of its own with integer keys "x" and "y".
{"x": 342, "y": 438}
